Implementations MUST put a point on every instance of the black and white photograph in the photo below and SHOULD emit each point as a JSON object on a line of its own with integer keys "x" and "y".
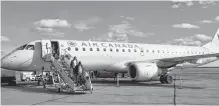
{"x": 110, "y": 52}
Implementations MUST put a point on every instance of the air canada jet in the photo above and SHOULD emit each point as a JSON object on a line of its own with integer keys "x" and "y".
{"x": 142, "y": 62}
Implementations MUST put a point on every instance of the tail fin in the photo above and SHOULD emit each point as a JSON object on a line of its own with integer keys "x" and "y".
{"x": 214, "y": 44}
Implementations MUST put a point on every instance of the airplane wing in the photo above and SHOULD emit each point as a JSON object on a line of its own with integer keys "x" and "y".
{"x": 187, "y": 58}
{"x": 169, "y": 62}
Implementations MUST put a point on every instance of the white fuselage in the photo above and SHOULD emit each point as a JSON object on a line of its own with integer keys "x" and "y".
{"x": 106, "y": 56}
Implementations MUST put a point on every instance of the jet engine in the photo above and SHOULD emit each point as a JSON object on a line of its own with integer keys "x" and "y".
{"x": 144, "y": 71}
{"x": 104, "y": 74}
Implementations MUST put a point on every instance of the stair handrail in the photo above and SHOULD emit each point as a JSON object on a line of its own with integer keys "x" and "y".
{"x": 66, "y": 52}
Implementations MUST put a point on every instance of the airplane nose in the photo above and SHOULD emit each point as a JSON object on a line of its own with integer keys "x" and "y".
{"x": 4, "y": 62}
{"x": 8, "y": 62}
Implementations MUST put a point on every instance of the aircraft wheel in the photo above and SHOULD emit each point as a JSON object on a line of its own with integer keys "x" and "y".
{"x": 162, "y": 79}
{"x": 40, "y": 83}
{"x": 168, "y": 79}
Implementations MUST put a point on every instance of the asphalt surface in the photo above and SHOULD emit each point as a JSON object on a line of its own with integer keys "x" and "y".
{"x": 199, "y": 87}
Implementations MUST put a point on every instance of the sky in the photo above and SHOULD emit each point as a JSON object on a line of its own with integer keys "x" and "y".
{"x": 175, "y": 22}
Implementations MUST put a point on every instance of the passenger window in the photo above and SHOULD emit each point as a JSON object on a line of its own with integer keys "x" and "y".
{"x": 158, "y": 51}
{"x": 83, "y": 49}
{"x": 76, "y": 49}
{"x": 147, "y": 50}
{"x": 117, "y": 50}
{"x": 98, "y": 49}
{"x": 29, "y": 47}
{"x": 111, "y": 49}
{"x": 135, "y": 50}
{"x": 104, "y": 49}
{"x": 129, "y": 50}
{"x": 123, "y": 50}
{"x": 22, "y": 47}
{"x": 91, "y": 49}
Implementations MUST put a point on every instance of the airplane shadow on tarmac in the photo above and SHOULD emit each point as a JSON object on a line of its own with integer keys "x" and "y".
{"x": 33, "y": 88}
{"x": 142, "y": 84}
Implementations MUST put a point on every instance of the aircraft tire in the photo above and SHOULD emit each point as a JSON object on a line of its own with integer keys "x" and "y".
{"x": 168, "y": 79}
{"x": 162, "y": 79}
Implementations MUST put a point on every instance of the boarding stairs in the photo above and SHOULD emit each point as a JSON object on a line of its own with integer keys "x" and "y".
{"x": 62, "y": 67}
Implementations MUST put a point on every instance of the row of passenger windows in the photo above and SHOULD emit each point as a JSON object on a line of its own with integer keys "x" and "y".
{"x": 104, "y": 49}
{"x": 130, "y": 50}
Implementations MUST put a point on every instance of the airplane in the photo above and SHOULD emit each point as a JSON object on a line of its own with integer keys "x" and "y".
{"x": 142, "y": 62}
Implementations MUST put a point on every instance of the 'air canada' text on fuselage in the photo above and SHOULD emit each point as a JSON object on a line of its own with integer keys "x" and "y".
{"x": 94, "y": 44}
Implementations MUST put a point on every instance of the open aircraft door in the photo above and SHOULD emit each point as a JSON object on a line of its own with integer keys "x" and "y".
{"x": 46, "y": 49}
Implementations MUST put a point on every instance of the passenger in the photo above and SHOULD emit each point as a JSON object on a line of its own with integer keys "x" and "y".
{"x": 73, "y": 65}
{"x": 56, "y": 56}
{"x": 53, "y": 50}
{"x": 79, "y": 73}
{"x": 80, "y": 69}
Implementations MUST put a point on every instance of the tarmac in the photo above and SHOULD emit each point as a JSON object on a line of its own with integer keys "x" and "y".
{"x": 199, "y": 87}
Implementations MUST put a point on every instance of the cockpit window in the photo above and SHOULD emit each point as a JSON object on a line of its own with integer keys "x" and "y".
{"x": 29, "y": 47}
{"x": 22, "y": 47}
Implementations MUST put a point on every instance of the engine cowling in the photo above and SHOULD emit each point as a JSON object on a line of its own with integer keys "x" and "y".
{"x": 104, "y": 74}
{"x": 144, "y": 71}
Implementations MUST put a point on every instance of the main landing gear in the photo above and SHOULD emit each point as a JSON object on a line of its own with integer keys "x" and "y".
{"x": 166, "y": 79}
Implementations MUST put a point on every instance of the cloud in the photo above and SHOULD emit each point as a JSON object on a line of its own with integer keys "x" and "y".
{"x": 121, "y": 32}
{"x": 4, "y": 39}
{"x": 51, "y": 23}
{"x": 126, "y": 28}
{"x": 112, "y": 37}
{"x": 128, "y": 18}
{"x": 45, "y": 29}
{"x": 205, "y": 22}
{"x": 185, "y": 25}
{"x": 206, "y": 3}
{"x": 203, "y": 37}
{"x": 49, "y": 27}
{"x": 182, "y": 3}
{"x": 195, "y": 40}
{"x": 186, "y": 41}
{"x": 217, "y": 18}
{"x": 175, "y": 6}
{"x": 49, "y": 32}
{"x": 190, "y": 3}
{"x": 82, "y": 25}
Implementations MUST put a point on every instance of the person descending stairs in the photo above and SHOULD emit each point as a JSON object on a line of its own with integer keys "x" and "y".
{"x": 77, "y": 79}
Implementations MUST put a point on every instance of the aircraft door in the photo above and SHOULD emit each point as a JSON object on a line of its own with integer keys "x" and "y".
{"x": 46, "y": 49}
{"x": 141, "y": 51}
